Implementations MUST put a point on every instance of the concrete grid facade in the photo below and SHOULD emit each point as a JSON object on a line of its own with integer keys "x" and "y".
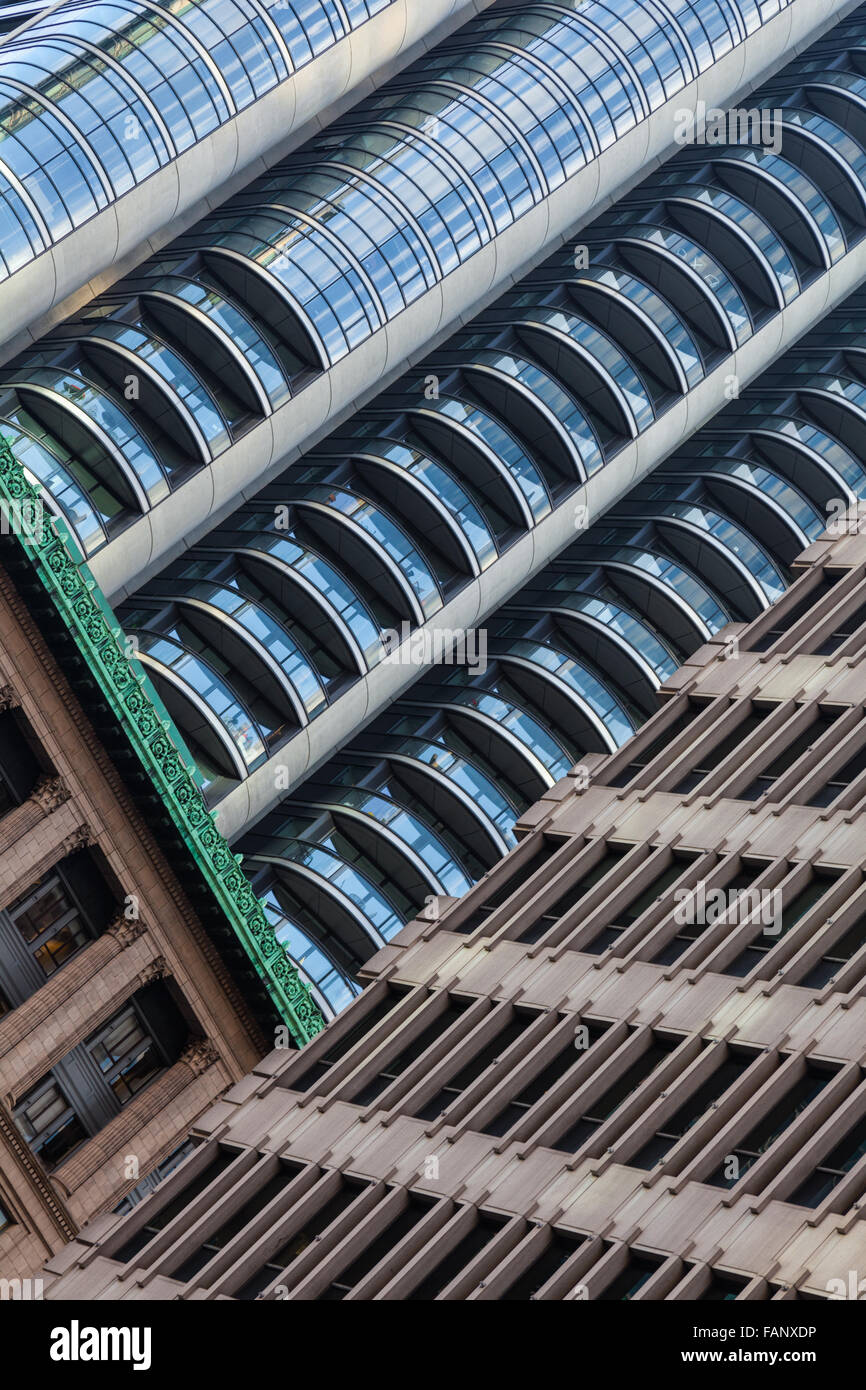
{"x": 608, "y": 1071}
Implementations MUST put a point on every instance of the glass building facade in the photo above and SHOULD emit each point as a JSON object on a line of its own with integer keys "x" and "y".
{"x": 284, "y": 280}
{"x": 426, "y": 798}
{"x": 297, "y": 596}
{"x": 94, "y": 98}
{"x": 263, "y": 625}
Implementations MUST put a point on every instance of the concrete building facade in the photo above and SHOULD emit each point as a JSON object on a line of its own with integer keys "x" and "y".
{"x": 628, "y": 1064}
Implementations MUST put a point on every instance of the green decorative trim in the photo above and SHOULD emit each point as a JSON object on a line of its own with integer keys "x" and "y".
{"x": 50, "y": 549}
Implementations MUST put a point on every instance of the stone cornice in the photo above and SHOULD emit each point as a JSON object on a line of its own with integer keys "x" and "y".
{"x": 45, "y": 543}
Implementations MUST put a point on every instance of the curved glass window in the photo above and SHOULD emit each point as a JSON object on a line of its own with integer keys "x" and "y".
{"x": 752, "y": 225}
{"x": 735, "y": 540}
{"x": 559, "y": 402}
{"x": 674, "y": 577}
{"x": 393, "y": 260}
{"x": 811, "y": 437}
{"x": 176, "y": 374}
{"x": 620, "y": 621}
{"x": 481, "y": 789}
{"x": 103, "y": 411}
{"x": 46, "y": 470}
{"x": 333, "y": 984}
{"x": 244, "y": 732}
{"x": 841, "y": 142}
{"x": 501, "y": 444}
{"x": 333, "y": 586}
{"x": 610, "y": 359}
{"x": 669, "y": 324}
{"x": 331, "y": 293}
{"x": 521, "y": 725}
{"x": 769, "y": 484}
{"x": 709, "y": 270}
{"x": 410, "y": 828}
{"x": 584, "y": 684}
{"x": 94, "y": 97}
{"x": 235, "y": 325}
{"x": 373, "y": 521}
{"x": 20, "y": 237}
{"x": 345, "y": 878}
{"x": 853, "y": 391}
{"x": 802, "y": 188}
{"x": 444, "y": 487}
{"x": 267, "y": 633}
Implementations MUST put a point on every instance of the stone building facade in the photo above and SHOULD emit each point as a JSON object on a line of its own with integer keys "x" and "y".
{"x": 628, "y": 1063}
{"x": 119, "y": 1023}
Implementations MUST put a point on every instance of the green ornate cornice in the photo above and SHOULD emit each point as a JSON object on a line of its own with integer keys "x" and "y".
{"x": 48, "y": 549}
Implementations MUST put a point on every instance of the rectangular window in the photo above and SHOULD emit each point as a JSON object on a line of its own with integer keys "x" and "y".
{"x": 767, "y": 936}
{"x": 342, "y": 1045}
{"x": 691, "y": 930}
{"x": 561, "y": 1248}
{"x": 845, "y": 628}
{"x": 582, "y": 1129}
{"x": 638, "y": 1271}
{"x": 49, "y": 1123}
{"x": 709, "y": 758}
{"x": 832, "y": 1169}
{"x": 722, "y": 1288}
{"x": 692, "y": 1110}
{"x": 764, "y": 1134}
{"x": 49, "y": 923}
{"x": 158, "y": 1220}
{"x": 5, "y": 1219}
{"x": 153, "y": 1179}
{"x": 568, "y": 1056}
{"x": 658, "y": 745}
{"x": 227, "y": 1230}
{"x": 787, "y": 614}
{"x": 435, "y": 1029}
{"x": 628, "y": 915}
{"x": 839, "y": 781}
{"x": 464, "y": 1252}
{"x": 471, "y": 1070}
{"x": 414, "y": 1212}
{"x": 543, "y": 851}
{"x": 542, "y": 924}
{"x": 782, "y": 762}
{"x": 125, "y": 1054}
{"x": 836, "y": 955}
{"x": 297, "y": 1243}
{"x": 90, "y": 1085}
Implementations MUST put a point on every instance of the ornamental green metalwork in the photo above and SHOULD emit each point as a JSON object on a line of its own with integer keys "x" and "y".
{"x": 53, "y": 555}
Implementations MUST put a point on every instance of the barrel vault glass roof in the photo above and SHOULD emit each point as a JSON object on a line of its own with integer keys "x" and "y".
{"x": 215, "y": 332}
{"x": 94, "y": 97}
{"x": 266, "y": 622}
{"x": 424, "y": 801}
{"x": 390, "y": 198}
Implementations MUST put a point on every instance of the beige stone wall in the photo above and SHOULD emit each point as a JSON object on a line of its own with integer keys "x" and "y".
{"x": 82, "y": 801}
